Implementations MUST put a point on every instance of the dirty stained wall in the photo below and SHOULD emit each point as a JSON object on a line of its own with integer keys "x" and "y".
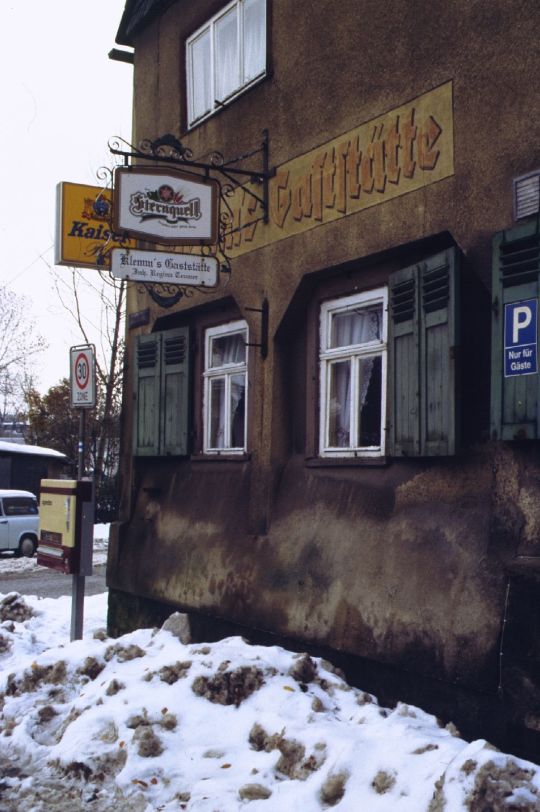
{"x": 401, "y": 561}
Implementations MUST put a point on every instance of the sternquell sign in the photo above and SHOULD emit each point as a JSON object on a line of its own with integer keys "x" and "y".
{"x": 165, "y": 206}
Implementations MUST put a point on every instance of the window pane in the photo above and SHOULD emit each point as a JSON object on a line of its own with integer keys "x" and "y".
{"x": 217, "y": 413}
{"x": 356, "y": 326}
{"x": 369, "y": 406}
{"x": 238, "y": 409}
{"x": 254, "y": 38}
{"x": 201, "y": 84}
{"x": 228, "y": 349}
{"x": 20, "y": 506}
{"x": 339, "y": 405}
{"x": 227, "y": 67}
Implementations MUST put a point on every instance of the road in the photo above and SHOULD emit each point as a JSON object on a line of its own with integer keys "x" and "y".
{"x": 49, "y": 584}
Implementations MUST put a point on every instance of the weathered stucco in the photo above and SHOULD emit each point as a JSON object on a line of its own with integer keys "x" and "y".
{"x": 403, "y": 562}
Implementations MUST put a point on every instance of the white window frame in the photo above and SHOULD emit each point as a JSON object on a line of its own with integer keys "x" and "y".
{"x": 226, "y": 371}
{"x": 243, "y": 85}
{"x": 354, "y": 353}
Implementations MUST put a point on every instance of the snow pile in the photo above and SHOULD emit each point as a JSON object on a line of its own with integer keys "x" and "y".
{"x": 147, "y": 723}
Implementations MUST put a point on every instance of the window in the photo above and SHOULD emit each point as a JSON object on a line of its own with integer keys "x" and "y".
{"x": 20, "y": 506}
{"x": 225, "y": 388}
{"x": 225, "y": 56}
{"x": 389, "y": 382}
{"x": 353, "y": 375}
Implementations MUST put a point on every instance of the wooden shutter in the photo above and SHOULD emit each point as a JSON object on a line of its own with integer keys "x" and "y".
{"x": 146, "y": 394}
{"x": 422, "y": 349}
{"x": 438, "y": 353}
{"x": 174, "y": 391}
{"x": 516, "y": 269}
{"x": 403, "y": 369}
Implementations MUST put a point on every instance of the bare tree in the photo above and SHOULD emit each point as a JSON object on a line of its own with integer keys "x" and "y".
{"x": 73, "y": 288}
{"x": 19, "y": 346}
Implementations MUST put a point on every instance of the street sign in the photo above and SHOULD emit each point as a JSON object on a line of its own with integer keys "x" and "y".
{"x": 520, "y": 338}
{"x": 164, "y": 267}
{"x": 82, "y": 377}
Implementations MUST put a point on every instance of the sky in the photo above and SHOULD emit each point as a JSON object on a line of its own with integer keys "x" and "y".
{"x": 146, "y": 722}
{"x": 62, "y": 99}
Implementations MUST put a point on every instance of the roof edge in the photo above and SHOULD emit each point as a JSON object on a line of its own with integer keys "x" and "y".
{"x": 137, "y": 15}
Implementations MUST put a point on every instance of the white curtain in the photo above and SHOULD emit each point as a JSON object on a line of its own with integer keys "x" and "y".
{"x": 254, "y": 38}
{"x": 227, "y": 76}
{"x": 227, "y": 350}
{"x": 350, "y": 328}
{"x": 201, "y": 76}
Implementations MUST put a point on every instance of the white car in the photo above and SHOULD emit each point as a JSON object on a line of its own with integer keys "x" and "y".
{"x": 19, "y": 522}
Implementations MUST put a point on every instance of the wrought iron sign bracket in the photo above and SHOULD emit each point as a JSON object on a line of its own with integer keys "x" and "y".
{"x": 167, "y": 149}
{"x": 263, "y": 344}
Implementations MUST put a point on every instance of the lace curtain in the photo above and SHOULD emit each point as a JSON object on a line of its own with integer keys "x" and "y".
{"x": 254, "y": 38}
{"x": 228, "y": 350}
{"x": 227, "y": 78}
{"x": 350, "y": 328}
{"x": 201, "y": 75}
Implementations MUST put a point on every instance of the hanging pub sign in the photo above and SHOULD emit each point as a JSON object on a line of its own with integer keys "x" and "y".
{"x": 165, "y": 206}
{"x": 84, "y": 235}
{"x": 161, "y": 267}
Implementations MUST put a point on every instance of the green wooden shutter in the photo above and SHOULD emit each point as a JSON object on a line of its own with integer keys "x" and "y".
{"x": 439, "y": 277}
{"x": 403, "y": 370}
{"x": 422, "y": 350}
{"x": 174, "y": 391}
{"x": 146, "y": 394}
{"x": 516, "y": 269}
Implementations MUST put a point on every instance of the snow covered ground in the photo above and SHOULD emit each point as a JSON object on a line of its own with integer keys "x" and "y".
{"x": 10, "y": 564}
{"x": 147, "y": 723}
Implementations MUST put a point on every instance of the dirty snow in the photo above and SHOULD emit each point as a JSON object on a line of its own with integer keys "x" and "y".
{"x": 145, "y": 723}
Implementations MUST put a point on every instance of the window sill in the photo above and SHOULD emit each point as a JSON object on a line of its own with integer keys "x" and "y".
{"x": 344, "y": 462}
{"x": 220, "y": 457}
{"x": 526, "y": 567}
{"x": 230, "y": 100}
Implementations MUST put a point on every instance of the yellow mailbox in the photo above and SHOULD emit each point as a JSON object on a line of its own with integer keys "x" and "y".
{"x": 66, "y": 517}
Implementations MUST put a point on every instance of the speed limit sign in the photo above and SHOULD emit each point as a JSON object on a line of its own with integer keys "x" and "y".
{"x": 82, "y": 377}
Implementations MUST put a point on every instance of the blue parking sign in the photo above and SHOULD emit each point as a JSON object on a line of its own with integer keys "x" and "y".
{"x": 520, "y": 338}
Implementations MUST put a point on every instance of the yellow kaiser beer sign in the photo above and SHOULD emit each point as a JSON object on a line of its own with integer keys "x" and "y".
{"x": 84, "y": 234}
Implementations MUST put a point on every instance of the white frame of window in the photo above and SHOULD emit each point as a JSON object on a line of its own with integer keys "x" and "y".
{"x": 354, "y": 353}
{"x": 227, "y": 371}
{"x": 243, "y": 85}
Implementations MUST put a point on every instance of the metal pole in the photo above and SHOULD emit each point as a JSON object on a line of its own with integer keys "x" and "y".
{"x": 78, "y": 581}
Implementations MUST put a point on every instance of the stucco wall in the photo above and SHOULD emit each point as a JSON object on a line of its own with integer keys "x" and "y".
{"x": 403, "y": 562}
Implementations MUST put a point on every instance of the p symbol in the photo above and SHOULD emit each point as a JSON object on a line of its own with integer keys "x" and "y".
{"x": 522, "y": 317}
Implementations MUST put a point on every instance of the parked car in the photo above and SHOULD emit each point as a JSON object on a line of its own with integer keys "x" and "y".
{"x": 19, "y": 522}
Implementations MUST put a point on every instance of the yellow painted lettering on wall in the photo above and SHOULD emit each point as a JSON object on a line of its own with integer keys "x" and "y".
{"x": 399, "y": 152}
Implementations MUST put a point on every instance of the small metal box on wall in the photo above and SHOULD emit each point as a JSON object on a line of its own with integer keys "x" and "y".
{"x": 66, "y": 526}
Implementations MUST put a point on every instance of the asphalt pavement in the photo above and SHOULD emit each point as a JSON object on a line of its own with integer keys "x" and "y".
{"x": 47, "y": 583}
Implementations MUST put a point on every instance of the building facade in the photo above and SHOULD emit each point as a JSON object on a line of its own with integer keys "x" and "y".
{"x": 337, "y": 445}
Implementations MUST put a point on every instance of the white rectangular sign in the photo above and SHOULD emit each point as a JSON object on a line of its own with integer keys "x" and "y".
{"x": 82, "y": 377}
{"x": 165, "y": 206}
{"x": 164, "y": 267}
